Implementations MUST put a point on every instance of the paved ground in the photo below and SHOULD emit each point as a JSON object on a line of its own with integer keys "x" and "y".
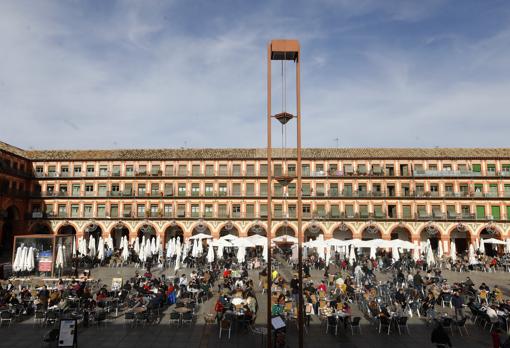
{"x": 25, "y": 334}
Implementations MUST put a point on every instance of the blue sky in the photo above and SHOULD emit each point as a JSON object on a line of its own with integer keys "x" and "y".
{"x": 152, "y": 74}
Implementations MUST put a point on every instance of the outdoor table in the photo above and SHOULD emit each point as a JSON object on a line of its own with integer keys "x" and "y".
{"x": 237, "y": 301}
{"x": 182, "y": 310}
{"x": 139, "y": 309}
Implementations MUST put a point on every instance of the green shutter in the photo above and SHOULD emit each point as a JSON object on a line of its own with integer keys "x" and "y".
{"x": 508, "y": 212}
{"x": 406, "y": 211}
{"x": 496, "y": 212}
{"x": 480, "y": 212}
{"x": 477, "y": 168}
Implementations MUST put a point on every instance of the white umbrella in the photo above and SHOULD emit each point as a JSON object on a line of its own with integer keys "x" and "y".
{"x": 185, "y": 250}
{"x": 477, "y": 244}
{"x": 109, "y": 242}
{"x": 440, "y": 250}
{"x": 229, "y": 237}
{"x": 194, "y": 250}
{"x": 429, "y": 255}
{"x": 200, "y": 249}
{"x": 149, "y": 248}
{"x": 24, "y": 258}
{"x": 136, "y": 246}
{"x": 494, "y": 241}
{"x": 472, "y": 259}
{"x": 482, "y": 246}
{"x": 59, "y": 262}
{"x": 241, "y": 254}
{"x": 453, "y": 251}
{"x": 17, "y": 260}
{"x": 92, "y": 247}
{"x": 200, "y": 236}
{"x": 142, "y": 255}
{"x": 416, "y": 252}
{"x": 328, "y": 254}
{"x": 100, "y": 249}
{"x": 210, "y": 254}
{"x": 394, "y": 254}
{"x": 178, "y": 255}
{"x": 372, "y": 253}
{"x": 125, "y": 249}
{"x": 507, "y": 246}
{"x": 352, "y": 255}
{"x": 31, "y": 261}
{"x": 321, "y": 253}
{"x": 257, "y": 239}
{"x": 219, "y": 251}
{"x": 154, "y": 247}
{"x": 169, "y": 249}
{"x": 73, "y": 250}
{"x": 286, "y": 238}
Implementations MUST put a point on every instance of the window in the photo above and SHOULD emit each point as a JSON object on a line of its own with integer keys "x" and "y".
{"x": 168, "y": 210}
{"x": 114, "y": 210}
{"x": 335, "y": 211}
{"x": 195, "y": 170}
{"x": 406, "y": 212}
{"x": 155, "y": 170}
{"x": 39, "y": 171}
{"x": 348, "y": 169}
{"x": 64, "y": 171}
{"x": 236, "y": 210}
{"x": 89, "y": 189}
{"x": 141, "y": 190}
{"x": 102, "y": 190}
{"x": 90, "y": 170}
{"x": 422, "y": 211}
{"x": 62, "y": 210}
{"x": 209, "y": 170}
{"x": 250, "y": 189}
{"x": 209, "y": 191}
{"x": 291, "y": 190}
{"x": 362, "y": 169}
{"x": 195, "y": 190}
{"x": 52, "y": 171}
{"x": 77, "y": 170}
{"x": 126, "y": 210}
{"x": 75, "y": 210}
{"x": 263, "y": 189}
{"x": 305, "y": 170}
{"x": 76, "y": 190}
{"x": 291, "y": 211}
{"x": 223, "y": 189}
{"x": 140, "y": 210}
{"x": 115, "y": 190}
{"x": 305, "y": 188}
{"x": 223, "y": 170}
{"x": 347, "y": 190}
{"x": 236, "y": 170}
{"x": 263, "y": 210}
{"x": 333, "y": 190}
{"x": 236, "y": 189}
{"x": 319, "y": 189}
{"x": 263, "y": 169}
{"x": 129, "y": 170}
{"x": 291, "y": 169}
{"x": 306, "y": 210}
{"x": 169, "y": 189}
{"x": 378, "y": 211}
{"x": 181, "y": 190}
{"x": 451, "y": 212}
{"x": 222, "y": 210}
{"x": 101, "y": 210}
{"x": 183, "y": 170}
{"x": 277, "y": 170}
{"x": 277, "y": 190}
{"x": 363, "y": 211}
{"x": 250, "y": 170}
{"x": 181, "y": 210}
{"x": 505, "y": 168}
{"x": 321, "y": 210}
{"x": 491, "y": 169}
{"x": 208, "y": 211}
{"x": 116, "y": 170}
{"x": 250, "y": 210}
{"x": 169, "y": 170}
{"x": 142, "y": 170}
{"x": 480, "y": 212}
{"x": 103, "y": 171}
{"x": 154, "y": 189}
{"x": 87, "y": 211}
{"x": 477, "y": 168}
{"x": 319, "y": 168}
{"x": 278, "y": 211}
{"x": 465, "y": 211}
{"x": 496, "y": 212}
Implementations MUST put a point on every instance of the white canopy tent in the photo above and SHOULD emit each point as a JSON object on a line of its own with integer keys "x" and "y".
{"x": 201, "y": 236}
{"x": 285, "y": 238}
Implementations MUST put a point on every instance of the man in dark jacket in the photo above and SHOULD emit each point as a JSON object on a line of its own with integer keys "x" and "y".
{"x": 458, "y": 304}
{"x": 418, "y": 281}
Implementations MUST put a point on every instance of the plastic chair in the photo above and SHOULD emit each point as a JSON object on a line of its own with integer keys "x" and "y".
{"x": 355, "y": 324}
{"x": 187, "y": 318}
{"x": 332, "y": 322}
{"x": 225, "y": 325}
{"x": 402, "y": 323}
{"x": 461, "y": 324}
{"x": 384, "y": 323}
{"x": 6, "y": 316}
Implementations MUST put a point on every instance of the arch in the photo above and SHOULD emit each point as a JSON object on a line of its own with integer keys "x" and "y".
{"x": 312, "y": 231}
{"x": 371, "y": 231}
{"x": 496, "y": 233}
{"x": 40, "y": 228}
{"x": 342, "y": 231}
{"x": 285, "y": 229}
{"x": 257, "y": 229}
{"x": 174, "y": 231}
{"x": 118, "y": 231}
{"x": 94, "y": 230}
{"x": 432, "y": 233}
{"x": 402, "y": 233}
{"x": 226, "y": 229}
{"x": 148, "y": 230}
{"x": 66, "y": 229}
{"x": 201, "y": 227}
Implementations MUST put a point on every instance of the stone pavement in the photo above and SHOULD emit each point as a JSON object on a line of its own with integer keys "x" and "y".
{"x": 116, "y": 334}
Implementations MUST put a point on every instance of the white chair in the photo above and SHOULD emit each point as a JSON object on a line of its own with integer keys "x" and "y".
{"x": 225, "y": 325}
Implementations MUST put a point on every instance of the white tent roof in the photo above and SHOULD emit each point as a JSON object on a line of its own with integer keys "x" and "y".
{"x": 243, "y": 242}
{"x": 257, "y": 239}
{"x": 229, "y": 237}
{"x": 285, "y": 238}
{"x": 201, "y": 236}
{"x": 493, "y": 241}
{"x": 221, "y": 242}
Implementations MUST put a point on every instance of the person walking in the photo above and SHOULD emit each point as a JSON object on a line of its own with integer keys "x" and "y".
{"x": 458, "y": 304}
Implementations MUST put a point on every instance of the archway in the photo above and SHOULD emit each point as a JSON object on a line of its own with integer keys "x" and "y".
{"x": 342, "y": 232}
{"x": 11, "y": 218}
{"x": 491, "y": 249}
{"x": 40, "y": 228}
{"x": 401, "y": 233}
{"x": 370, "y": 232}
{"x": 174, "y": 231}
{"x": 148, "y": 231}
{"x": 313, "y": 231}
{"x": 67, "y": 230}
{"x": 461, "y": 238}
{"x": 94, "y": 230}
{"x": 229, "y": 228}
{"x": 431, "y": 233}
{"x": 117, "y": 232}
{"x": 285, "y": 230}
{"x": 257, "y": 229}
